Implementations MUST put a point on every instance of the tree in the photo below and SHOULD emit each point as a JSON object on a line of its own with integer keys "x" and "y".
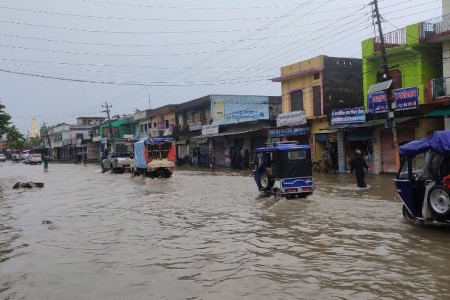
{"x": 4, "y": 121}
{"x": 16, "y": 140}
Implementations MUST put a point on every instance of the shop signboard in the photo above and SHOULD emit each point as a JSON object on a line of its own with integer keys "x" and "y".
{"x": 229, "y": 109}
{"x": 291, "y": 118}
{"x": 288, "y": 131}
{"x": 210, "y": 129}
{"x": 405, "y": 99}
{"x": 350, "y": 115}
{"x": 195, "y": 126}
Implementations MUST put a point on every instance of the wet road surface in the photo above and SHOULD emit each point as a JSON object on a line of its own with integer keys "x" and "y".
{"x": 199, "y": 235}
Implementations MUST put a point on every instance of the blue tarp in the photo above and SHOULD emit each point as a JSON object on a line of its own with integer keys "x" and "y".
{"x": 439, "y": 142}
{"x": 157, "y": 140}
{"x": 139, "y": 148}
{"x": 139, "y": 158}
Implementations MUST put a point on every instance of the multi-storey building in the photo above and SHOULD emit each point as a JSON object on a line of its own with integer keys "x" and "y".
{"x": 311, "y": 90}
{"x": 417, "y": 57}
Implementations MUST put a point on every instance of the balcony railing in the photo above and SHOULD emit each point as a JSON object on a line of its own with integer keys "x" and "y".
{"x": 434, "y": 26}
{"x": 391, "y": 39}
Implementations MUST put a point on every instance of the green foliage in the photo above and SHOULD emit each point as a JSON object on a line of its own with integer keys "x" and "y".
{"x": 4, "y": 121}
{"x": 16, "y": 140}
{"x": 35, "y": 142}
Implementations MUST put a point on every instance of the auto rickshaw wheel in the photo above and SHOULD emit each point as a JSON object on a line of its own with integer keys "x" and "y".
{"x": 407, "y": 214}
{"x": 439, "y": 200}
{"x": 265, "y": 181}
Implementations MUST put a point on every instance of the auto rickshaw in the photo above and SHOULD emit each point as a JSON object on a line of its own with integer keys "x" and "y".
{"x": 283, "y": 169}
{"x": 423, "y": 180}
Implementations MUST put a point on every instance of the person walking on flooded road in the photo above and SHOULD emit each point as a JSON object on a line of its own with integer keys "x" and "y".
{"x": 358, "y": 164}
{"x": 212, "y": 162}
{"x": 45, "y": 164}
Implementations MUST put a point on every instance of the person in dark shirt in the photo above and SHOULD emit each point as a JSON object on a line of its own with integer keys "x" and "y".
{"x": 358, "y": 164}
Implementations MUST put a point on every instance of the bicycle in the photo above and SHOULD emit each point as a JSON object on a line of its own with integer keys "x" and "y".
{"x": 317, "y": 166}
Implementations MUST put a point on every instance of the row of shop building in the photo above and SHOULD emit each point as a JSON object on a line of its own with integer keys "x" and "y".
{"x": 324, "y": 102}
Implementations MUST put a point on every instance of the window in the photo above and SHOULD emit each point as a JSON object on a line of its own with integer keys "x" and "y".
{"x": 316, "y": 76}
{"x": 317, "y": 101}
{"x": 297, "y": 154}
{"x": 166, "y": 123}
{"x": 79, "y": 136}
{"x": 297, "y": 100}
{"x": 397, "y": 76}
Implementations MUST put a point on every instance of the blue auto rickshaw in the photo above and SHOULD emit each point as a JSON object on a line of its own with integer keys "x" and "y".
{"x": 423, "y": 180}
{"x": 283, "y": 169}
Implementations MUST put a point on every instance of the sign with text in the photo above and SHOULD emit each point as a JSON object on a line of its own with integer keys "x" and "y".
{"x": 195, "y": 126}
{"x": 229, "y": 109}
{"x": 210, "y": 129}
{"x": 288, "y": 131}
{"x": 291, "y": 118}
{"x": 348, "y": 115}
{"x": 405, "y": 99}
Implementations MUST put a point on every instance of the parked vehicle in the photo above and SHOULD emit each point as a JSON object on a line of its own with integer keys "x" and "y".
{"x": 2, "y": 157}
{"x": 154, "y": 157}
{"x": 25, "y": 155}
{"x": 283, "y": 169}
{"x": 181, "y": 161}
{"x": 423, "y": 180}
{"x": 116, "y": 162}
{"x": 35, "y": 159}
{"x": 16, "y": 158}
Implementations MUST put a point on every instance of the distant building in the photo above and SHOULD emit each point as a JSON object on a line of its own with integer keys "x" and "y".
{"x": 34, "y": 130}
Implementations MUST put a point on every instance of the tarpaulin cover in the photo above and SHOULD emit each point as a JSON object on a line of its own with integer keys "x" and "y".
{"x": 139, "y": 155}
{"x": 439, "y": 142}
{"x": 156, "y": 141}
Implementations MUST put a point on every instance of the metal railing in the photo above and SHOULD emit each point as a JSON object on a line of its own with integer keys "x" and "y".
{"x": 434, "y": 26}
{"x": 392, "y": 39}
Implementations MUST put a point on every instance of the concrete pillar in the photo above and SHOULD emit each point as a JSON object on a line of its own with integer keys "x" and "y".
{"x": 341, "y": 150}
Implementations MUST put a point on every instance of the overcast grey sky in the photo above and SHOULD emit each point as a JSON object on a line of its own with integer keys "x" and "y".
{"x": 63, "y": 59}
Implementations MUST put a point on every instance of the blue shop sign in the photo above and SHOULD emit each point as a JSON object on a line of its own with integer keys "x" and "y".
{"x": 351, "y": 115}
{"x": 288, "y": 131}
{"x": 405, "y": 99}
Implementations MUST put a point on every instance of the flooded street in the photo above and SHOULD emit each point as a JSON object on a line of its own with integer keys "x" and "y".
{"x": 199, "y": 235}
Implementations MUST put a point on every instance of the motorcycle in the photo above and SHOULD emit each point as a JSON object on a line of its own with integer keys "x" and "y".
{"x": 180, "y": 161}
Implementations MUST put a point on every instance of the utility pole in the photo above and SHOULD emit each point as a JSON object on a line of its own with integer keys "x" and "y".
{"x": 110, "y": 124}
{"x": 149, "y": 102}
{"x": 387, "y": 88}
{"x": 48, "y": 139}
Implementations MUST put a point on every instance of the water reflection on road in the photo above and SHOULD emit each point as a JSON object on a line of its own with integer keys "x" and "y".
{"x": 199, "y": 235}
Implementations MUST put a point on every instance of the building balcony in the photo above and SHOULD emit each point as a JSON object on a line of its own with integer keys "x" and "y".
{"x": 391, "y": 39}
{"x": 436, "y": 29}
{"x": 182, "y": 128}
{"x": 438, "y": 91}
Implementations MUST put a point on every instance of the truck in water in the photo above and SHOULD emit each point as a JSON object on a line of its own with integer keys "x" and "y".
{"x": 153, "y": 157}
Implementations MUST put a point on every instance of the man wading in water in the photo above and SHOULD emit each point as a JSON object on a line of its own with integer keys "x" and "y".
{"x": 358, "y": 164}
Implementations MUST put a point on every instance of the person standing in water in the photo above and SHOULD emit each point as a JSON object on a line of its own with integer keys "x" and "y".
{"x": 45, "y": 165}
{"x": 358, "y": 164}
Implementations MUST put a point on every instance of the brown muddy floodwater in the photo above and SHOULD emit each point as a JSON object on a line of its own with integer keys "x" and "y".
{"x": 199, "y": 235}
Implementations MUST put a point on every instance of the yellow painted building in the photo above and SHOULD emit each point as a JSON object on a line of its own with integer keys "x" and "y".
{"x": 317, "y": 86}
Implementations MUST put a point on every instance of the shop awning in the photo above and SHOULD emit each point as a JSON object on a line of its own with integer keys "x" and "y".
{"x": 440, "y": 112}
{"x": 371, "y": 123}
{"x": 235, "y": 131}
